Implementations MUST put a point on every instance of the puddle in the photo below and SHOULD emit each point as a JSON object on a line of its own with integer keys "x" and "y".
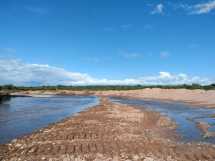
{"x": 179, "y": 112}
{"x": 23, "y": 115}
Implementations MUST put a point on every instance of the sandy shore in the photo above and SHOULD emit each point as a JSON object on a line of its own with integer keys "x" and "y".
{"x": 201, "y": 98}
{"x": 109, "y": 131}
{"x": 38, "y": 94}
{"x": 194, "y": 97}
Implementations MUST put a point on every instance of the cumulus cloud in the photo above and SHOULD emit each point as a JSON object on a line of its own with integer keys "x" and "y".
{"x": 196, "y": 9}
{"x": 158, "y": 9}
{"x": 14, "y": 71}
{"x": 164, "y": 54}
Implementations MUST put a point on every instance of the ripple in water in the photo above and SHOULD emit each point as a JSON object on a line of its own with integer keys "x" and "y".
{"x": 23, "y": 115}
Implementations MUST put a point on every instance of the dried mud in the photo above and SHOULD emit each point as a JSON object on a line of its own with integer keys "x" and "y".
{"x": 109, "y": 131}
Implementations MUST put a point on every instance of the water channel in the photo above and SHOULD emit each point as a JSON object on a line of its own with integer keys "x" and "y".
{"x": 23, "y": 115}
{"x": 179, "y": 112}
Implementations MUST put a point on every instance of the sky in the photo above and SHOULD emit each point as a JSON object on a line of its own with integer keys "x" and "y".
{"x": 107, "y": 42}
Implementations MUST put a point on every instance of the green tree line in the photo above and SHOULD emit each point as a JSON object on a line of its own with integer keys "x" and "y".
{"x": 12, "y": 88}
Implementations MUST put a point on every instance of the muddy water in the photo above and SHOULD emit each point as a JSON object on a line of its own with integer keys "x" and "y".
{"x": 23, "y": 115}
{"x": 179, "y": 112}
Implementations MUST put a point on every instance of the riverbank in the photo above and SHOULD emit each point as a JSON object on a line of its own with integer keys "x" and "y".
{"x": 109, "y": 131}
{"x": 200, "y": 98}
{"x": 39, "y": 94}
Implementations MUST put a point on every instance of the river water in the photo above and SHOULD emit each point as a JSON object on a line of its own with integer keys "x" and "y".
{"x": 24, "y": 115}
{"x": 179, "y": 112}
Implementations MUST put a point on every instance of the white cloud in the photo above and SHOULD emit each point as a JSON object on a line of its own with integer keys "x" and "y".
{"x": 202, "y": 8}
{"x": 126, "y": 26}
{"x": 180, "y": 5}
{"x": 164, "y": 74}
{"x": 158, "y": 9}
{"x": 196, "y": 9}
{"x": 14, "y": 71}
{"x": 164, "y": 54}
{"x": 10, "y": 50}
{"x": 128, "y": 55}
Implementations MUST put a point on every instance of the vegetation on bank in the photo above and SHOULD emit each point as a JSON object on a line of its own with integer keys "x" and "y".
{"x": 4, "y": 97}
{"x": 12, "y": 88}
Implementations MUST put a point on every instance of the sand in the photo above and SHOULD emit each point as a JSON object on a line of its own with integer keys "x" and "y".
{"x": 38, "y": 94}
{"x": 201, "y": 98}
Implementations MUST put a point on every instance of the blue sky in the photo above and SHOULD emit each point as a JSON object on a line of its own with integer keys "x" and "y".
{"x": 91, "y": 42}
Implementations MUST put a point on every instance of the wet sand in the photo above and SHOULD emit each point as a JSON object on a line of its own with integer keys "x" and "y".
{"x": 109, "y": 131}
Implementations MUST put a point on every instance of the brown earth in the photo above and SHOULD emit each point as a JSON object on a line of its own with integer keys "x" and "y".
{"x": 109, "y": 131}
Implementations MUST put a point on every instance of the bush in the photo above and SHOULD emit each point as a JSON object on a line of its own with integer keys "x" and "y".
{"x": 4, "y": 97}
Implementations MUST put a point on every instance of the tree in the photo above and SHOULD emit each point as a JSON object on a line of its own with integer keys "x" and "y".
{"x": 4, "y": 97}
{"x": 213, "y": 85}
{"x": 196, "y": 86}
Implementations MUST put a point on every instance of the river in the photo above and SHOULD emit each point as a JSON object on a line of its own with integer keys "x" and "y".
{"x": 23, "y": 115}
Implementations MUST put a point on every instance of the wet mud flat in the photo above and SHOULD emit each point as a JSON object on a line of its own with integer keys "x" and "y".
{"x": 108, "y": 131}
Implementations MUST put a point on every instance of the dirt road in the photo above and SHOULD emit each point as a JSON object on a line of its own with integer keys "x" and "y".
{"x": 109, "y": 131}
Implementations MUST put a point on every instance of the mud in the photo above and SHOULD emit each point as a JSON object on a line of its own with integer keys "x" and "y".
{"x": 109, "y": 131}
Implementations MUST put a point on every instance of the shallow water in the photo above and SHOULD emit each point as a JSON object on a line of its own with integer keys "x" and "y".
{"x": 179, "y": 112}
{"x": 23, "y": 115}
